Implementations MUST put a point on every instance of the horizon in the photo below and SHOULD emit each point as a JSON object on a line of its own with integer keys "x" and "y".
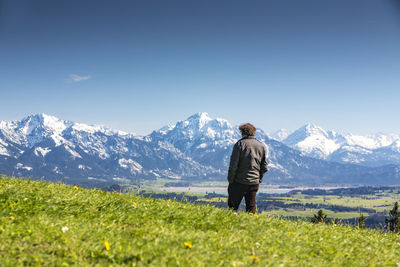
{"x": 269, "y": 132}
{"x": 135, "y": 66}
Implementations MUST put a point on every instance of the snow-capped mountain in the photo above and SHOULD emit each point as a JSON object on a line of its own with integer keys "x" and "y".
{"x": 314, "y": 141}
{"x": 198, "y": 147}
{"x": 203, "y": 139}
{"x": 280, "y": 135}
{"x": 371, "y": 150}
{"x": 45, "y": 146}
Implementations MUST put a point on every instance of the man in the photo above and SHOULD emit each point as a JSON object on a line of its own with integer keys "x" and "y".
{"x": 246, "y": 169}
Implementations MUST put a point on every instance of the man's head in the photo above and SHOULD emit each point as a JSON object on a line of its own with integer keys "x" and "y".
{"x": 247, "y": 129}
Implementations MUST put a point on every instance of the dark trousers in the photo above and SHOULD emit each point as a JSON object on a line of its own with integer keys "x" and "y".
{"x": 237, "y": 191}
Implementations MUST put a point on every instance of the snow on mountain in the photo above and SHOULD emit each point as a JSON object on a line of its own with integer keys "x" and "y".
{"x": 316, "y": 142}
{"x": 3, "y": 148}
{"x": 198, "y": 147}
{"x": 56, "y": 148}
{"x": 280, "y": 135}
{"x": 34, "y": 129}
{"x": 395, "y": 146}
{"x": 200, "y": 137}
{"x": 41, "y": 152}
{"x": 371, "y": 141}
{"x": 199, "y": 126}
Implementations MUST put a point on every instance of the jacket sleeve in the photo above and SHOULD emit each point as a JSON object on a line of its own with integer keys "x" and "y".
{"x": 263, "y": 167}
{"x": 234, "y": 163}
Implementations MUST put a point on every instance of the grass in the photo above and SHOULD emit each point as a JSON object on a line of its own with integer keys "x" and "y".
{"x": 45, "y": 224}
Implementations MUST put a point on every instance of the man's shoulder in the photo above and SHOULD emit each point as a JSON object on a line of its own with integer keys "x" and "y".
{"x": 252, "y": 140}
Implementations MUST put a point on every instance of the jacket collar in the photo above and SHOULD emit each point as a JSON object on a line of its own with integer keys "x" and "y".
{"x": 249, "y": 137}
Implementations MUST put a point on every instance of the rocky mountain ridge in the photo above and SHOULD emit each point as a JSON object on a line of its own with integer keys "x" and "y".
{"x": 199, "y": 147}
{"x": 367, "y": 150}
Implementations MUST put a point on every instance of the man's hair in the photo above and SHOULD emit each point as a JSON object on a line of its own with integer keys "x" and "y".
{"x": 247, "y": 129}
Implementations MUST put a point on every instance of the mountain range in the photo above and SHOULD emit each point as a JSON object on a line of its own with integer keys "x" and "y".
{"x": 197, "y": 148}
{"x": 368, "y": 150}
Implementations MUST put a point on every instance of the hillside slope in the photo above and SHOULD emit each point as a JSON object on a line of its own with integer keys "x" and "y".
{"x": 54, "y": 224}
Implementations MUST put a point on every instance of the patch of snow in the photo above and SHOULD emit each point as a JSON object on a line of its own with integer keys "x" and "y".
{"x": 372, "y": 141}
{"x": 97, "y": 128}
{"x": 395, "y": 146}
{"x": 203, "y": 145}
{"x": 356, "y": 149}
{"x": 39, "y": 151}
{"x": 72, "y": 152}
{"x": 130, "y": 164}
{"x": 318, "y": 144}
{"x": 3, "y": 150}
{"x": 21, "y": 166}
{"x": 167, "y": 128}
{"x": 280, "y": 135}
{"x": 3, "y": 143}
{"x": 84, "y": 167}
{"x": 278, "y": 167}
{"x": 57, "y": 170}
{"x": 155, "y": 174}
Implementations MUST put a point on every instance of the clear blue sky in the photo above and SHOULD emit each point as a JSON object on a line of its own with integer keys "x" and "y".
{"x": 139, "y": 65}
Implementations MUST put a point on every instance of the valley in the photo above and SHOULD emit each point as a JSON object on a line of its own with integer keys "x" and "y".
{"x": 345, "y": 205}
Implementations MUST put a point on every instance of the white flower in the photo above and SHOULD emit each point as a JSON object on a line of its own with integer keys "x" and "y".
{"x": 257, "y": 244}
{"x": 64, "y": 229}
{"x": 321, "y": 239}
{"x": 368, "y": 248}
{"x": 235, "y": 213}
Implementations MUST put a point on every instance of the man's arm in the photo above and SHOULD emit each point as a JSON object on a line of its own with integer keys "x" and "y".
{"x": 234, "y": 163}
{"x": 263, "y": 167}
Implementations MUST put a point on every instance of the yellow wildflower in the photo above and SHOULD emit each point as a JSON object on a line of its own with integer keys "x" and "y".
{"x": 107, "y": 245}
{"x": 255, "y": 259}
{"x": 188, "y": 245}
{"x": 12, "y": 218}
{"x": 75, "y": 187}
{"x": 134, "y": 204}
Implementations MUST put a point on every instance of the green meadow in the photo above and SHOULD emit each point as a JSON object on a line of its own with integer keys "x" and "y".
{"x": 47, "y": 224}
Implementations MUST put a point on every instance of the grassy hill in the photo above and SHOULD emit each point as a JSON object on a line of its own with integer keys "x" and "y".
{"x": 45, "y": 224}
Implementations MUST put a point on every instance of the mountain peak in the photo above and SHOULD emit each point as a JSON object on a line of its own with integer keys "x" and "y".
{"x": 199, "y": 119}
{"x": 311, "y": 126}
{"x": 306, "y": 132}
{"x": 281, "y": 134}
{"x": 40, "y": 117}
{"x": 43, "y": 120}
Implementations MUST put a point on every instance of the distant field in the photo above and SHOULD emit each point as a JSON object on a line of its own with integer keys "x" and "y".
{"x": 310, "y": 212}
{"x": 337, "y": 203}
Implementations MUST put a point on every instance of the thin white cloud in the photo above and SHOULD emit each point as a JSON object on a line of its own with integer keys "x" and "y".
{"x": 77, "y": 78}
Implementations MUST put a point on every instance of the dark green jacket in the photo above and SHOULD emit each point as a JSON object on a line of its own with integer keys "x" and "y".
{"x": 248, "y": 161}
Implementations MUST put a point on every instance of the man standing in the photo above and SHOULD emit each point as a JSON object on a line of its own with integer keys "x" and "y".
{"x": 246, "y": 169}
